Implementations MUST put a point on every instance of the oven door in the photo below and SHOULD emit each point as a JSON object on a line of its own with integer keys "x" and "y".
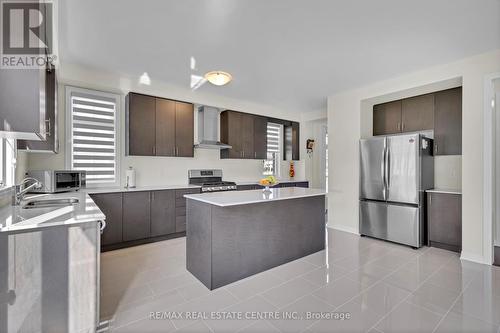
{"x": 67, "y": 181}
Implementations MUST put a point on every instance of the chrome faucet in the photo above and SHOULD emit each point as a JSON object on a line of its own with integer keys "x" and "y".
{"x": 20, "y": 190}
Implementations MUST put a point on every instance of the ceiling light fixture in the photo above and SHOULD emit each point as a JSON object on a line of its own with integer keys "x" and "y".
{"x": 218, "y": 78}
{"x": 144, "y": 79}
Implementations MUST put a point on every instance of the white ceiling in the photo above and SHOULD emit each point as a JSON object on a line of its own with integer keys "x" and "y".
{"x": 290, "y": 54}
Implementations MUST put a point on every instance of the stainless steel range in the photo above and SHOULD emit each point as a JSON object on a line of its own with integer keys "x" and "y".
{"x": 210, "y": 180}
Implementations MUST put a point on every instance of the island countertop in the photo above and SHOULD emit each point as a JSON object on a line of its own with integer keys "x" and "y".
{"x": 15, "y": 219}
{"x": 235, "y": 198}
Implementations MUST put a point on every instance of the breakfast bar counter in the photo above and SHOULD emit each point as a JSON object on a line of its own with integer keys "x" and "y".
{"x": 232, "y": 235}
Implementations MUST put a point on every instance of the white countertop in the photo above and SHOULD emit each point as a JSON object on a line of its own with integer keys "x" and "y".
{"x": 15, "y": 219}
{"x": 444, "y": 190}
{"x": 234, "y": 198}
{"x": 173, "y": 187}
{"x": 137, "y": 189}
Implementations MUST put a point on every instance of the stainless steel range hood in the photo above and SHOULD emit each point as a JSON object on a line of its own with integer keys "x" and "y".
{"x": 208, "y": 128}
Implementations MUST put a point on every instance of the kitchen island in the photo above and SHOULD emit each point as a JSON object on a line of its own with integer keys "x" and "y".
{"x": 232, "y": 235}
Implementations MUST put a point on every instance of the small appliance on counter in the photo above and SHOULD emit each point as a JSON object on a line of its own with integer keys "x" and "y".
{"x": 130, "y": 178}
{"x": 56, "y": 181}
{"x": 210, "y": 180}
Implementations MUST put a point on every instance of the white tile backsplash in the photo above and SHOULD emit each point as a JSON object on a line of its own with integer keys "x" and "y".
{"x": 448, "y": 172}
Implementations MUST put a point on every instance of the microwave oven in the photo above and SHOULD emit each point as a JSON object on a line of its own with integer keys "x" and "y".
{"x": 56, "y": 181}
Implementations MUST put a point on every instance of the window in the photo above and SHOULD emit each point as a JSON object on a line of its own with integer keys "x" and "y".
{"x": 7, "y": 162}
{"x": 274, "y": 149}
{"x": 92, "y": 132}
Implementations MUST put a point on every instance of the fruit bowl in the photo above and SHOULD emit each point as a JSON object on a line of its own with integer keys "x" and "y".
{"x": 268, "y": 182}
{"x": 267, "y": 188}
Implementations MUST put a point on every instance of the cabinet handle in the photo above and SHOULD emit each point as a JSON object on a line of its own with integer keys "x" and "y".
{"x": 47, "y": 127}
{"x": 436, "y": 148}
{"x": 103, "y": 225}
{"x": 176, "y": 151}
{"x": 154, "y": 150}
{"x": 402, "y": 126}
{"x": 152, "y": 195}
{"x": 254, "y": 154}
{"x": 173, "y": 152}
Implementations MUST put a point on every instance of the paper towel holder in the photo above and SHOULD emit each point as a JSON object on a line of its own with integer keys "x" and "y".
{"x": 130, "y": 178}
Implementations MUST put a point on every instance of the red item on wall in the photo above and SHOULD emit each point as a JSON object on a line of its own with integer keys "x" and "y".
{"x": 291, "y": 173}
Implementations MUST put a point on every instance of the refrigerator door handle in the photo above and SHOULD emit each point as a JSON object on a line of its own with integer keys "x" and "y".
{"x": 388, "y": 169}
{"x": 383, "y": 168}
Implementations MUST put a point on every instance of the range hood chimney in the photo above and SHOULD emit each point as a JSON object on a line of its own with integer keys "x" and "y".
{"x": 208, "y": 128}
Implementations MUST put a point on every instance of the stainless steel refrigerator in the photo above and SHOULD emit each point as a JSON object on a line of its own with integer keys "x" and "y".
{"x": 395, "y": 171}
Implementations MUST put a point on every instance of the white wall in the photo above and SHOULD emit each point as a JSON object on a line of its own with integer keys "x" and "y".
{"x": 345, "y": 128}
{"x": 160, "y": 170}
{"x": 314, "y": 162}
{"x": 496, "y": 158}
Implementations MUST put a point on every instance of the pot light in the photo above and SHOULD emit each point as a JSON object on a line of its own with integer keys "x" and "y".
{"x": 144, "y": 79}
{"x": 218, "y": 78}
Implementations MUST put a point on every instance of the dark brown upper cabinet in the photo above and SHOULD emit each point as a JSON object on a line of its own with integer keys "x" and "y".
{"x": 159, "y": 127}
{"x": 440, "y": 111}
{"x": 141, "y": 116}
{"x": 237, "y": 130}
{"x": 247, "y": 136}
{"x": 448, "y": 122}
{"x": 295, "y": 141}
{"x": 260, "y": 137}
{"x": 165, "y": 127}
{"x": 387, "y": 118}
{"x": 230, "y": 133}
{"x": 51, "y": 142}
{"x": 184, "y": 129}
{"x": 417, "y": 113}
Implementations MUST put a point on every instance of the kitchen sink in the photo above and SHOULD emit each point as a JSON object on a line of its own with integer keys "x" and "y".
{"x": 46, "y": 203}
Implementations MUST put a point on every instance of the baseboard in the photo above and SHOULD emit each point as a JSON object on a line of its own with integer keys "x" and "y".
{"x": 473, "y": 257}
{"x": 344, "y": 228}
{"x": 123, "y": 245}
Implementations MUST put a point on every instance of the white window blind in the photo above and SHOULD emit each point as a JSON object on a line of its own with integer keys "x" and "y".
{"x": 273, "y": 139}
{"x": 93, "y": 136}
{"x": 274, "y": 144}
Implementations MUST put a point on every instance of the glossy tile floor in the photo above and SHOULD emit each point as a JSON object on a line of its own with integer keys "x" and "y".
{"x": 382, "y": 286}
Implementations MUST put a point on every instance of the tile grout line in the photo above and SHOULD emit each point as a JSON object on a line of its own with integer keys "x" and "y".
{"x": 407, "y": 297}
{"x": 284, "y": 282}
{"x": 452, "y": 305}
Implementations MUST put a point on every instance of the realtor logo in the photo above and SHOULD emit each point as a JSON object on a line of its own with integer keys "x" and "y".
{"x": 27, "y": 34}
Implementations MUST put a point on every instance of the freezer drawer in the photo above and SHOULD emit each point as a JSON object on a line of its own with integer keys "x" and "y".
{"x": 396, "y": 223}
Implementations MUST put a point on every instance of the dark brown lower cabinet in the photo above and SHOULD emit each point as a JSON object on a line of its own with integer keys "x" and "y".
{"x": 444, "y": 220}
{"x": 496, "y": 256}
{"x": 180, "y": 208}
{"x": 162, "y": 213}
{"x": 111, "y": 205}
{"x": 136, "y": 216}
